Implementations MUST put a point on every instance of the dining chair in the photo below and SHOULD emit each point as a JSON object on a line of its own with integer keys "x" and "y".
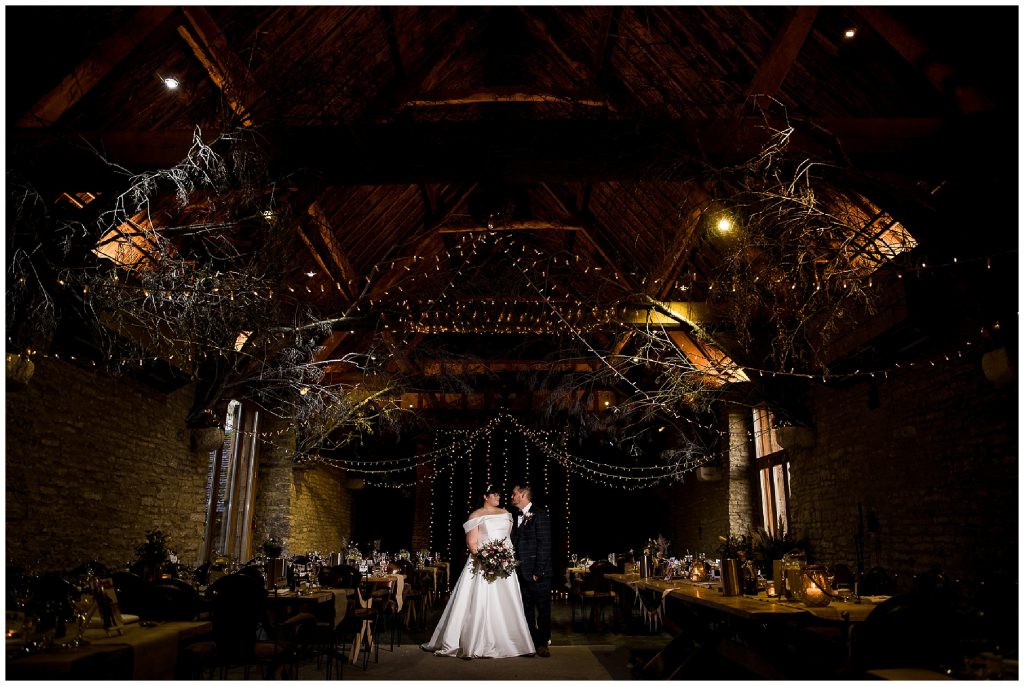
{"x": 415, "y": 593}
{"x": 131, "y": 593}
{"x": 357, "y": 632}
{"x": 238, "y": 604}
{"x": 289, "y": 641}
{"x": 341, "y": 576}
{"x": 172, "y": 600}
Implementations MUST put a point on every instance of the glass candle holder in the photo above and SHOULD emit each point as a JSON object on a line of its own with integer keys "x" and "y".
{"x": 817, "y": 589}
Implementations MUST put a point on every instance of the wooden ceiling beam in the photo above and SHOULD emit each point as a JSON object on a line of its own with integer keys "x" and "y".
{"x": 338, "y": 258}
{"x": 586, "y": 231}
{"x": 514, "y": 225}
{"x": 783, "y": 53}
{"x": 100, "y": 62}
{"x": 521, "y": 151}
{"x": 406, "y": 84}
{"x": 497, "y": 95}
{"x": 222, "y": 65}
{"x": 921, "y": 55}
{"x": 392, "y": 33}
{"x": 609, "y": 37}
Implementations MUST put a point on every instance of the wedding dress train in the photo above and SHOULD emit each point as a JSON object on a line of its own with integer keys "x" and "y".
{"x": 483, "y": 618}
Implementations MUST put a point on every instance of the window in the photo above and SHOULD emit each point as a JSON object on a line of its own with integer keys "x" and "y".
{"x": 229, "y": 486}
{"x": 772, "y": 471}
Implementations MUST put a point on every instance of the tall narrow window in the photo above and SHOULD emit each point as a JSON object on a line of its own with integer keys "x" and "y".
{"x": 229, "y": 486}
{"x": 773, "y": 472}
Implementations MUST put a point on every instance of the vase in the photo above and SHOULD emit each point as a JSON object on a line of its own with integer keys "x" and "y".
{"x": 732, "y": 581}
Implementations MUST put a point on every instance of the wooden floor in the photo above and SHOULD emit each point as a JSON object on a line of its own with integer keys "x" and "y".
{"x": 578, "y": 652}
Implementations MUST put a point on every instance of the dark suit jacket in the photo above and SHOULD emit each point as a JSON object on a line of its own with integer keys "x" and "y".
{"x": 532, "y": 542}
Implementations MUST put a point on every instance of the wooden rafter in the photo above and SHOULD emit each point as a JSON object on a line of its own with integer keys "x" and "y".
{"x": 229, "y": 75}
{"x": 510, "y": 94}
{"x": 586, "y": 225}
{"x": 514, "y": 225}
{"x": 783, "y": 53}
{"x": 406, "y": 84}
{"x": 427, "y": 234}
{"x": 605, "y": 47}
{"x": 348, "y": 276}
{"x": 107, "y": 55}
{"x": 920, "y": 54}
{"x": 539, "y": 29}
{"x": 393, "y": 47}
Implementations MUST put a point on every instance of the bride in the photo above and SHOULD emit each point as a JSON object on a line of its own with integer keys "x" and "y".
{"x": 483, "y": 618}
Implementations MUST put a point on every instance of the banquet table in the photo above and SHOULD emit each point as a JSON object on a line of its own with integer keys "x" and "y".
{"x": 747, "y": 607}
{"x": 438, "y": 569}
{"x": 138, "y": 652}
{"x": 749, "y": 630}
{"x": 322, "y": 603}
{"x": 367, "y": 601}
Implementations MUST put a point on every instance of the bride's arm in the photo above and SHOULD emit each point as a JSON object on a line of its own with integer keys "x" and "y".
{"x": 471, "y": 540}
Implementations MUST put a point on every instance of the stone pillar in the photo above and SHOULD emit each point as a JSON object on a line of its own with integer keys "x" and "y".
{"x": 742, "y": 502}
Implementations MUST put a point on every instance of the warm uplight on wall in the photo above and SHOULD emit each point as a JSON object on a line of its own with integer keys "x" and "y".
{"x": 850, "y": 33}
{"x": 171, "y": 83}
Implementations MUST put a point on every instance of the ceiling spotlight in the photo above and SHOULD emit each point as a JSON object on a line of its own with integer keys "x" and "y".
{"x": 171, "y": 83}
{"x": 724, "y": 225}
{"x": 850, "y": 33}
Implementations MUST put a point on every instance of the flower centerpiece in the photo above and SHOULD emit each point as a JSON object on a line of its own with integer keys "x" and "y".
{"x": 495, "y": 560}
{"x": 272, "y": 547}
{"x": 151, "y": 555}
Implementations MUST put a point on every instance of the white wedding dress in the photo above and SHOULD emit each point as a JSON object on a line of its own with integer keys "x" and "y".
{"x": 483, "y": 618}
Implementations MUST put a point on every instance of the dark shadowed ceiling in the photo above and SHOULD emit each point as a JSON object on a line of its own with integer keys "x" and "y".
{"x": 486, "y": 204}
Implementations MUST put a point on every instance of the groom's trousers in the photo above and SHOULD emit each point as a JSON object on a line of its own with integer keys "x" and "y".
{"x": 537, "y": 605}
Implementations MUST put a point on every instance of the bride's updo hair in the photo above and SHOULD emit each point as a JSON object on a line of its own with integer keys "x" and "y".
{"x": 489, "y": 489}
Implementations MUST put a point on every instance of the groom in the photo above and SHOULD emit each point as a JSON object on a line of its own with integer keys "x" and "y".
{"x": 531, "y": 536}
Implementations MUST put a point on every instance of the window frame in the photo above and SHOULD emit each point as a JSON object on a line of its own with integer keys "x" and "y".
{"x": 771, "y": 464}
{"x": 229, "y": 513}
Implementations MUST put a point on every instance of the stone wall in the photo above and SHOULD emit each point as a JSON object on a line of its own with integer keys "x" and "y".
{"x": 92, "y": 462}
{"x": 702, "y": 511}
{"x": 321, "y": 514}
{"x": 931, "y": 465}
{"x": 307, "y": 508}
{"x": 928, "y": 465}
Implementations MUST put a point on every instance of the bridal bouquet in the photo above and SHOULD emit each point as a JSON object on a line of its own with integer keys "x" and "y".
{"x": 495, "y": 560}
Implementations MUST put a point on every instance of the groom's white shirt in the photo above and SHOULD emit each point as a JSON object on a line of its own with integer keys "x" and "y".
{"x": 522, "y": 512}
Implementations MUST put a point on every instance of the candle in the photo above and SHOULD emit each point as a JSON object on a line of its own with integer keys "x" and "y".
{"x": 770, "y": 590}
{"x": 817, "y": 590}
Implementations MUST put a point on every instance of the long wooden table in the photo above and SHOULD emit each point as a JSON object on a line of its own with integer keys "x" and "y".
{"x": 750, "y": 631}
{"x": 139, "y": 652}
{"x": 322, "y": 603}
{"x": 754, "y": 608}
